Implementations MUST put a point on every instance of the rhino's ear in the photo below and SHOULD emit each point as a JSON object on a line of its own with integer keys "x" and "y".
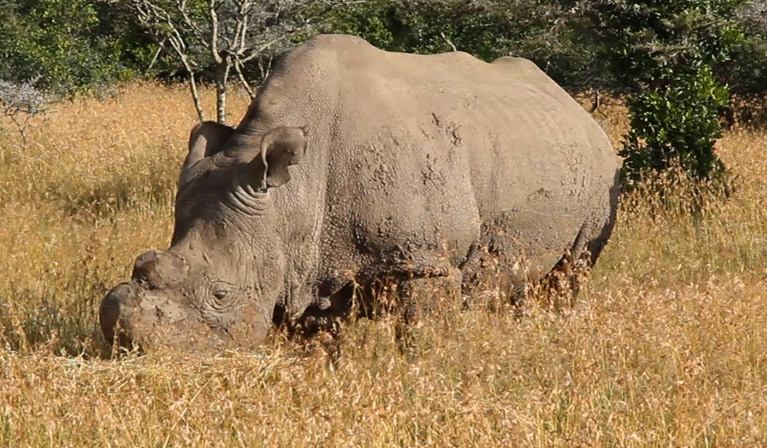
{"x": 206, "y": 139}
{"x": 280, "y": 148}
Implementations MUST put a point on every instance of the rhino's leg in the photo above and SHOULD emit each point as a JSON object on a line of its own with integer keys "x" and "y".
{"x": 568, "y": 274}
{"x": 418, "y": 296}
{"x": 491, "y": 279}
{"x": 598, "y": 226}
{"x": 323, "y": 328}
{"x": 328, "y": 311}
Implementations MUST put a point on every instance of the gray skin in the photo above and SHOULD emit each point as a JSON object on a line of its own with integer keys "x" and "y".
{"x": 354, "y": 164}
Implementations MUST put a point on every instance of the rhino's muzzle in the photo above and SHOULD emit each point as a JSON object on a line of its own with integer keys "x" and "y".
{"x": 116, "y": 310}
{"x": 133, "y": 316}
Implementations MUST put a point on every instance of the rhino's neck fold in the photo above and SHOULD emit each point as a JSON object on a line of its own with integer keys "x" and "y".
{"x": 243, "y": 198}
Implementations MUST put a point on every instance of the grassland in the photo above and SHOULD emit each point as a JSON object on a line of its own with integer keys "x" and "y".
{"x": 666, "y": 346}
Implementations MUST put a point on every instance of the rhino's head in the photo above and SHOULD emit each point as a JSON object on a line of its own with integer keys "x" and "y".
{"x": 217, "y": 285}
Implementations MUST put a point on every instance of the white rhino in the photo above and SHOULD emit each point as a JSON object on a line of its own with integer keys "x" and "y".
{"x": 354, "y": 164}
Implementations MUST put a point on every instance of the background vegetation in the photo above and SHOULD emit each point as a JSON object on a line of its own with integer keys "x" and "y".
{"x": 665, "y": 346}
{"x": 680, "y": 63}
{"x": 582, "y": 44}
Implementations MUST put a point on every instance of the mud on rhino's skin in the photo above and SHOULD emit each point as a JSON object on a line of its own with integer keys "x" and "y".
{"x": 353, "y": 163}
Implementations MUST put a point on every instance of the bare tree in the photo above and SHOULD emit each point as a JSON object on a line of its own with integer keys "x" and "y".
{"x": 226, "y": 35}
{"x": 20, "y": 103}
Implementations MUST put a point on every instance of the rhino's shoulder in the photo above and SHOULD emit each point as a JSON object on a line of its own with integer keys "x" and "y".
{"x": 336, "y": 41}
{"x": 329, "y": 48}
{"x": 518, "y": 66}
{"x": 353, "y": 52}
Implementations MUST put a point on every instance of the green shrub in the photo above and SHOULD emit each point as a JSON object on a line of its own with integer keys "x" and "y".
{"x": 676, "y": 122}
{"x": 60, "y": 43}
{"x": 664, "y": 53}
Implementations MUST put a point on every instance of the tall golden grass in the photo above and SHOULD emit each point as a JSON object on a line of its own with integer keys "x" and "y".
{"x": 665, "y": 346}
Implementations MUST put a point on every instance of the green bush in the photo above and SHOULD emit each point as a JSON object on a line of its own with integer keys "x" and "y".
{"x": 60, "y": 43}
{"x": 664, "y": 53}
{"x": 676, "y": 123}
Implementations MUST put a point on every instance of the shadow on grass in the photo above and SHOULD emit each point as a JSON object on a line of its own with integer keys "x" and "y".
{"x": 109, "y": 197}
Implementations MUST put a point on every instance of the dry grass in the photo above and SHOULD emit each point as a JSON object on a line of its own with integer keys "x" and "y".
{"x": 667, "y": 345}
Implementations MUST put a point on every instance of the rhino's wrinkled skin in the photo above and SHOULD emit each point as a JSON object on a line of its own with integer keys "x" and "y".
{"x": 403, "y": 165}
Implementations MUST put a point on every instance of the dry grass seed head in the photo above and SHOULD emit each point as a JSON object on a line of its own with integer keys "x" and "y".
{"x": 665, "y": 344}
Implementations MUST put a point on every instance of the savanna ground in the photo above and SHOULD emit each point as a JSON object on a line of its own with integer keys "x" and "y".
{"x": 666, "y": 345}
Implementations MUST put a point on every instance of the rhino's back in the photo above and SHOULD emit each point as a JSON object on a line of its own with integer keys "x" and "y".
{"x": 447, "y": 147}
{"x": 418, "y": 154}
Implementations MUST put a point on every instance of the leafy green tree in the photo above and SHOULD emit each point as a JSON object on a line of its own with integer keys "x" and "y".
{"x": 664, "y": 53}
{"x": 426, "y": 27}
{"x": 56, "y": 42}
{"x": 746, "y": 72}
{"x": 676, "y": 122}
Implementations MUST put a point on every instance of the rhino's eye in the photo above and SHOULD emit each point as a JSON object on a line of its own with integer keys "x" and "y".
{"x": 220, "y": 294}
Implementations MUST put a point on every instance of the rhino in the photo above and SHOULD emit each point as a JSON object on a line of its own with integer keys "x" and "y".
{"x": 354, "y": 164}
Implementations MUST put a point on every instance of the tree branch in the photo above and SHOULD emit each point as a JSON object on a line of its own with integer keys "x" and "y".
{"x": 241, "y": 77}
{"x": 213, "y": 42}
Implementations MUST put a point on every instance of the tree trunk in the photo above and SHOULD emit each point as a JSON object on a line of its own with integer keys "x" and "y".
{"x": 196, "y": 97}
{"x": 222, "y": 75}
{"x": 243, "y": 81}
{"x": 221, "y": 103}
{"x": 596, "y": 101}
